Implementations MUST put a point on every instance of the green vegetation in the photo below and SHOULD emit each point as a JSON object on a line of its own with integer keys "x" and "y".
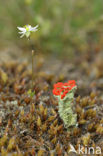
{"x": 63, "y": 25}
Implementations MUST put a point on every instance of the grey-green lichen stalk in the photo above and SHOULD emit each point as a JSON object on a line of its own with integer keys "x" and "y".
{"x": 64, "y": 92}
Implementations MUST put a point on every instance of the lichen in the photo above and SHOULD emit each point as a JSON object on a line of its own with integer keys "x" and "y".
{"x": 65, "y": 95}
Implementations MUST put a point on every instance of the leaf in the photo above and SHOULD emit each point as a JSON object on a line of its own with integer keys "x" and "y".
{"x": 31, "y": 93}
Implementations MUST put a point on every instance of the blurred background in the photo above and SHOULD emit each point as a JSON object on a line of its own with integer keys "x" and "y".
{"x": 69, "y": 26}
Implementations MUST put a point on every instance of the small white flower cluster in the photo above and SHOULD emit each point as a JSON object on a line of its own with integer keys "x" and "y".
{"x": 26, "y": 30}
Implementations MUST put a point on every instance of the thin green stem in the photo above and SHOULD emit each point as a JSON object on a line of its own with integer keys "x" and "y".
{"x": 32, "y": 68}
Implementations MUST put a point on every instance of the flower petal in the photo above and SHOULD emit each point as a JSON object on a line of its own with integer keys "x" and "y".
{"x": 21, "y": 32}
{"x": 22, "y": 29}
{"x": 34, "y": 28}
{"x": 22, "y": 35}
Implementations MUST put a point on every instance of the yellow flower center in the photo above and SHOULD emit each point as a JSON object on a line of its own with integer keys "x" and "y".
{"x": 27, "y": 29}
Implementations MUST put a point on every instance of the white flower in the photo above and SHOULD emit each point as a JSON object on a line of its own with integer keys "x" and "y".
{"x": 26, "y": 30}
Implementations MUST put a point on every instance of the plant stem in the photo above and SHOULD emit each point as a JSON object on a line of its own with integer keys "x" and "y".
{"x": 32, "y": 68}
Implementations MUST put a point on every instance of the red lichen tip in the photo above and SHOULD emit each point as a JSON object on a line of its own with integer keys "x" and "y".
{"x": 61, "y": 89}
